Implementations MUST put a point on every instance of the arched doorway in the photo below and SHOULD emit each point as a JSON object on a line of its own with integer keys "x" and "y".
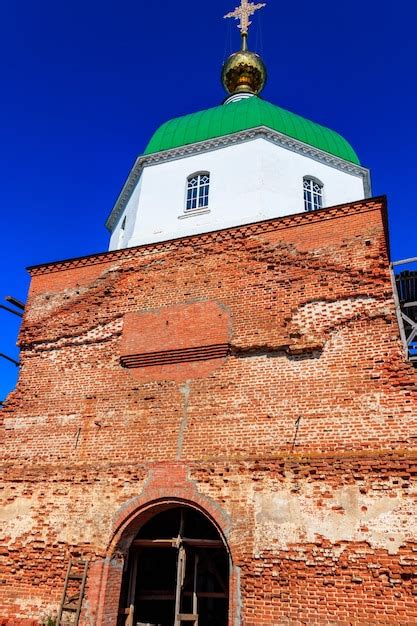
{"x": 177, "y": 572}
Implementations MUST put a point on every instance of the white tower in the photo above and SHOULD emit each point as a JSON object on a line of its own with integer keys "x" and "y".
{"x": 245, "y": 161}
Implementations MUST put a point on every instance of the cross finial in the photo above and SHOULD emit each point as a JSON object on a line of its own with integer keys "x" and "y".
{"x": 243, "y": 13}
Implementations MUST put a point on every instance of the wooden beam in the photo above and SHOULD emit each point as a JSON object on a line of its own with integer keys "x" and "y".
{"x": 203, "y": 543}
{"x": 154, "y": 543}
{"x": 161, "y": 595}
{"x": 173, "y": 543}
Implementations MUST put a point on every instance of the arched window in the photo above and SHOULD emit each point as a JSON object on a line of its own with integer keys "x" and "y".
{"x": 313, "y": 194}
{"x": 122, "y": 233}
{"x": 198, "y": 186}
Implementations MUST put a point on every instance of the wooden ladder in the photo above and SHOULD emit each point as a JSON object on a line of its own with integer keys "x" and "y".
{"x": 74, "y": 586}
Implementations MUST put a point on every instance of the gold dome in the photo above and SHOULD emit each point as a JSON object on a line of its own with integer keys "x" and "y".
{"x": 244, "y": 72}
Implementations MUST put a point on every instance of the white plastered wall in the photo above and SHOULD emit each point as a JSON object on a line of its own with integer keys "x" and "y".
{"x": 251, "y": 181}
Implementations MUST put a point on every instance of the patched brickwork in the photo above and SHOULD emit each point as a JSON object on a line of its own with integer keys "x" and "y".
{"x": 299, "y": 445}
{"x": 175, "y": 342}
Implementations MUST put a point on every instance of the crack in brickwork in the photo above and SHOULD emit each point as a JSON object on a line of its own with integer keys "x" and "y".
{"x": 185, "y": 391}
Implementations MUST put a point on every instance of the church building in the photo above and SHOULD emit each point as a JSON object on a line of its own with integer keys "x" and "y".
{"x": 215, "y": 421}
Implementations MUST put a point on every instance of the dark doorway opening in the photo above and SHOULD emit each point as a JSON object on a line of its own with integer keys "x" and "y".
{"x": 177, "y": 573}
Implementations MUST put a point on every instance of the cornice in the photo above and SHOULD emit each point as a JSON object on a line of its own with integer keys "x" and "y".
{"x": 228, "y": 234}
{"x": 365, "y": 458}
{"x": 217, "y": 143}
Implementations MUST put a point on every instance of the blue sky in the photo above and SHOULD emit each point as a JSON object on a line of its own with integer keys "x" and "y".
{"x": 85, "y": 83}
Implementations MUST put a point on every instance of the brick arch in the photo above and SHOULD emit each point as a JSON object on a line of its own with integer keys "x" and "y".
{"x": 127, "y": 523}
{"x": 139, "y": 512}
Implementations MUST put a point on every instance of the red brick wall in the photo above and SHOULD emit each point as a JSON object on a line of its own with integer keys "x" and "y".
{"x": 300, "y": 445}
{"x": 173, "y": 338}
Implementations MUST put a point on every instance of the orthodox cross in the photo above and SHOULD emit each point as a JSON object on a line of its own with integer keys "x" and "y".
{"x": 243, "y": 13}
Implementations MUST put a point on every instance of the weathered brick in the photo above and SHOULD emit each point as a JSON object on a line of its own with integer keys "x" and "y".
{"x": 299, "y": 445}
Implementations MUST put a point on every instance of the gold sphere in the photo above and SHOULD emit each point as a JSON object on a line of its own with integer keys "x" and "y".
{"x": 244, "y": 72}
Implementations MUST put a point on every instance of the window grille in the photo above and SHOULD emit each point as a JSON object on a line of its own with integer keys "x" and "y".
{"x": 198, "y": 186}
{"x": 313, "y": 194}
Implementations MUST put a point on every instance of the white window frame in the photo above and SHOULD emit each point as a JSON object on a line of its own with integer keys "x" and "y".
{"x": 315, "y": 188}
{"x": 198, "y": 199}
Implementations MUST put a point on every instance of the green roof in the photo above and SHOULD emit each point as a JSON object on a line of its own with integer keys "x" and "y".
{"x": 243, "y": 115}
